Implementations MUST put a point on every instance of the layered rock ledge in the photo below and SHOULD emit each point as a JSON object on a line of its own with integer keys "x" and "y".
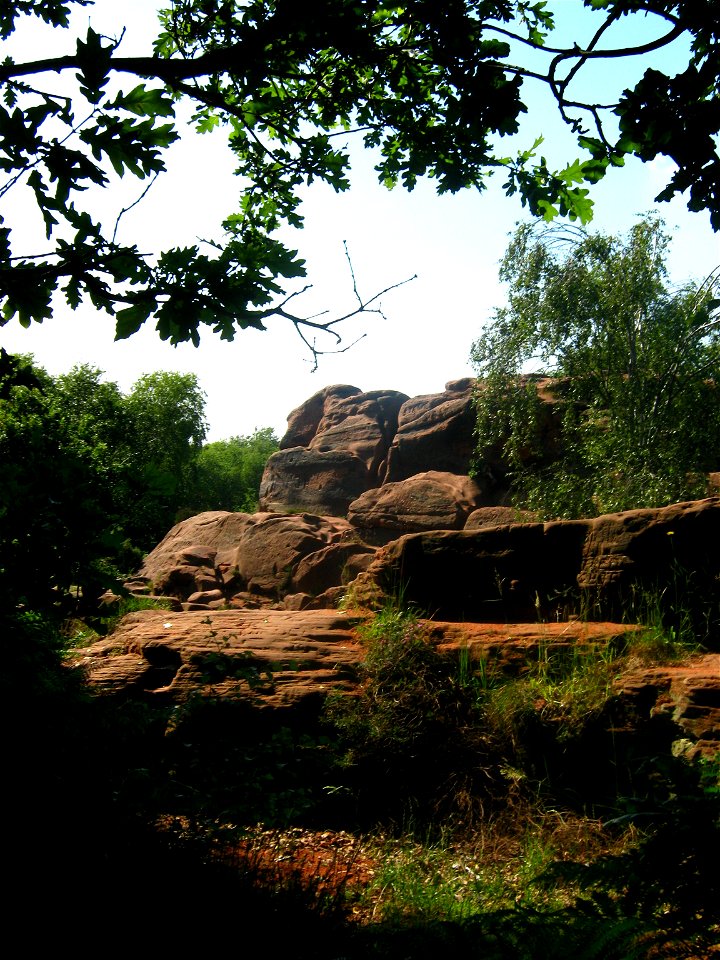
{"x": 289, "y": 661}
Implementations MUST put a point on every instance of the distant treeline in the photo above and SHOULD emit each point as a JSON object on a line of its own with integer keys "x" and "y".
{"x": 91, "y": 478}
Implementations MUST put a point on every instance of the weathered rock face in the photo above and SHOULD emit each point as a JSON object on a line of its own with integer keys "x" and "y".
{"x": 272, "y": 658}
{"x": 183, "y": 562}
{"x": 211, "y": 558}
{"x": 676, "y": 545}
{"x": 334, "y": 449}
{"x": 687, "y": 694}
{"x": 516, "y": 571}
{"x": 427, "y": 501}
{"x": 435, "y": 432}
{"x": 324, "y": 482}
{"x": 303, "y": 422}
{"x": 290, "y": 660}
{"x": 393, "y": 438}
{"x": 342, "y": 442}
{"x": 497, "y": 517}
{"x": 365, "y": 425}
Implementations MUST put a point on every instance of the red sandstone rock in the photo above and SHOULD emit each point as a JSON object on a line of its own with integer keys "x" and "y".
{"x": 497, "y": 516}
{"x": 365, "y": 425}
{"x": 304, "y": 420}
{"x": 653, "y": 547}
{"x": 688, "y": 694}
{"x": 504, "y": 572}
{"x": 336, "y": 564}
{"x": 299, "y": 655}
{"x": 313, "y": 481}
{"x": 427, "y": 501}
{"x": 169, "y": 657}
{"x": 267, "y": 553}
{"x": 435, "y": 432}
{"x": 184, "y": 561}
{"x": 249, "y": 554}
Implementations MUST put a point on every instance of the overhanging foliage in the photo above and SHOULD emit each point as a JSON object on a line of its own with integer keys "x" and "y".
{"x": 431, "y": 86}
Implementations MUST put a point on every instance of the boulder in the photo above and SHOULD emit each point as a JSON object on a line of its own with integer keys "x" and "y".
{"x": 364, "y": 424}
{"x": 426, "y": 501}
{"x": 435, "y": 432}
{"x": 313, "y": 481}
{"x": 249, "y": 556}
{"x": 267, "y": 555}
{"x": 336, "y": 564}
{"x": 497, "y": 516}
{"x": 183, "y": 562}
{"x": 304, "y": 420}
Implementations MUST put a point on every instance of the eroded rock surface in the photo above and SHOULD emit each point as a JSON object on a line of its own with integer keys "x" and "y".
{"x": 435, "y": 432}
{"x": 291, "y": 660}
{"x": 426, "y": 501}
{"x": 273, "y": 658}
{"x": 218, "y": 557}
{"x": 513, "y": 571}
{"x": 324, "y": 482}
{"x": 688, "y": 694}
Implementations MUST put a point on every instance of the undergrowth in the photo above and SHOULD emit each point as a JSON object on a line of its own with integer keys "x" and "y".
{"x": 494, "y": 814}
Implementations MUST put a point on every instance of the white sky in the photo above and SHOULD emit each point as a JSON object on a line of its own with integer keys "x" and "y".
{"x": 453, "y": 244}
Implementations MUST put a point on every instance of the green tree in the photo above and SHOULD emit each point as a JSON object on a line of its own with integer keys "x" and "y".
{"x": 636, "y": 368}
{"x": 167, "y": 413}
{"x": 55, "y": 507}
{"x": 228, "y": 472}
{"x": 431, "y": 86}
{"x": 96, "y": 418}
{"x": 89, "y": 478}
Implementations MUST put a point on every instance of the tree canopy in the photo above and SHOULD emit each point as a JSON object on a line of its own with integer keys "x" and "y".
{"x": 431, "y": 87}
{"x": 228, "y": 472}
{"x": 635, "y": 366}
{"x": 93, "y": 478}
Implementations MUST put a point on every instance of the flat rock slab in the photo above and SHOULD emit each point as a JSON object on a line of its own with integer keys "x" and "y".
{"x": 278, "y": 659}
{"x": 511, "y": 646}
{"x": 274, "y": 657}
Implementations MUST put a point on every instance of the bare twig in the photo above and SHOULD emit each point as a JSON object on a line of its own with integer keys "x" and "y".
{"x": 302, "y": 324}
{"x": 133, "y": 204}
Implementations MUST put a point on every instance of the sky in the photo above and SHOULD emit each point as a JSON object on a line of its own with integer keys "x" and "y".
{"x": 452, "y": 244}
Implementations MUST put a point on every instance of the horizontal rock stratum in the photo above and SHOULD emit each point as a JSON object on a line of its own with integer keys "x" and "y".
{"x": 290, "y": 660}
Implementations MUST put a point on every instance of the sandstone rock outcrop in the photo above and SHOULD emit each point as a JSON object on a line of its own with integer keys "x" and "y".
{"x": 272, "y": 658}
{"x": 313, "y": 481}
{"x": 365, "y": 425}
{"x": 435, "y": 432}
{"x": 687, "y": 695}
{"x": 334, "y": 449}
{"x": 183, "y": 562}
{"x": 426, "y": 501}
{"x": 303, "y": 422}
{"x": 373, "y": 458}
{"x": 290, "y": 660}
{"x": 517, "y": 571}
{"x": 342, "y": 442}
{"x": 214, "y": 557}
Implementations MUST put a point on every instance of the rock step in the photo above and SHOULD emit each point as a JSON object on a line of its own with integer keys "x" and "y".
{"x": 279, "y": 659}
